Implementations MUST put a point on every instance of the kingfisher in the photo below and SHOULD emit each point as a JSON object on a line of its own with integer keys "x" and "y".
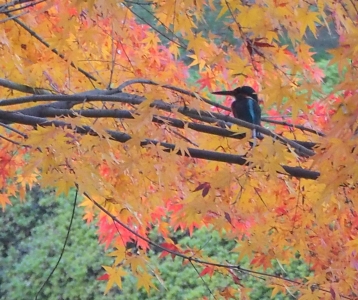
{"x": 245, "y": 107}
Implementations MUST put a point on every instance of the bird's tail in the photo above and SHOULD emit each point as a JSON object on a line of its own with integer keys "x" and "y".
{"x": 256, "y": 135}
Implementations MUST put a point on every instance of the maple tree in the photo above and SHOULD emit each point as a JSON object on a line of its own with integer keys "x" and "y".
{"x": 94, "y": 99}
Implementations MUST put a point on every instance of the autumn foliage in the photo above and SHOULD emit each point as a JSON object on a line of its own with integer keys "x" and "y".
{"x": 96, "y": 97}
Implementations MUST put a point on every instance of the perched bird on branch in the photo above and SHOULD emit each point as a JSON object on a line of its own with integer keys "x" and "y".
{"x": 245, "y": 107}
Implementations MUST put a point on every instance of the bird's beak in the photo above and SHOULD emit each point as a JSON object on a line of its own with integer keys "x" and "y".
{"x": 224, "y": 93}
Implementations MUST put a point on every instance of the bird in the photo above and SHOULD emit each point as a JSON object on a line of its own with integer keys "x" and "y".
{"x": 245, "y": 107}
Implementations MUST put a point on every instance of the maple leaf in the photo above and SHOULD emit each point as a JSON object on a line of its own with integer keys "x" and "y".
{"x": 309, "y": 295}
{"x": 171, "y": 247}
{"x": 235, "y": 278}
{"x": 254, "y": 45}
{"x": 277, "y": 289}
{"x": 145, "y": 280}
{"x": 204, "y": 187}
{"x": 308, "y": 19}
{"x": 228, "y": 218}
{"x": 174, "y": 49}
{"x": 115, "y": 277}
{"x": 196, "y": 43}
{"x": 138, "y": 263}
{"x": 228, "y": 292}
{"x": 197, "y": 61}
{"x": 103, "y": 277}
{"x": 120, "y": 254}
{"x": 261, "y": 260}
{"x": 4, "y": 200}
{"x": 207, "y": 270}
{"x": 206, "y": 80}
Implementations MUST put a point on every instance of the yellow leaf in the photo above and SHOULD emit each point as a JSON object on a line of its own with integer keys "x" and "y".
{"x": 145, "y": 281}
{"x": 64, "y": 184}
{"x": 309, "y": 295}
{"x": 307, "y": 19}
{"x": 197, "y": 61}
{"x": 115, "y": 277}
{"x": 352, "y": 244}
{"x": 4, "y": 200}
{"x": 277, "y": 289}
{"x": 174, "y": 49}
{"x": 120, "y": 254}
{"x": 138, "y": 263}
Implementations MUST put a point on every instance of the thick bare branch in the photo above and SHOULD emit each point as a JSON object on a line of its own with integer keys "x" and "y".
{"x": 70, "y": 100}
{"x": 23, "y": 88}
{"x": 126, "y": 114}
{"x": 124, "y": 137}
{"x": 208, "y": 101}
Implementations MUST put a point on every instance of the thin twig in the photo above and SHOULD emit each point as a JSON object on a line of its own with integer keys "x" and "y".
{"x": 14, "y": 130}
{"x": 245, "y": 39}
{"x": 41, "y": 40}
{"x": 173, "y": 88}
{"x": 33, "y": 3}
{"x": 301, "y": 127}
{"x": 114, "y": 54}
{"x": 162, "y": 24}
{"x": 193, "y": 259}
{"x": 182, "y": 137}
{"x": 13, "y": 17}
{"x": 202, "y": 279}
{"x": 63, "y": 247}
{"x": 155, "y": 29}
{"x": 9, "y": 140}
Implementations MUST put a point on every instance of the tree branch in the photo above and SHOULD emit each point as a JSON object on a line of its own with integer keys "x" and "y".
{"x": 301, "y": 127}
{"x": 50, "y": 112}
{"x": 124, "y": 137}
{"x": 173, "y": 88}
{"x": 70, "y": 100}
{"x": 210, "y": 102}
{"x": 23, "y": 88}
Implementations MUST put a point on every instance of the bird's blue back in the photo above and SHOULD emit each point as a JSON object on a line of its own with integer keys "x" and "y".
{"x": 247, "y": 109}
